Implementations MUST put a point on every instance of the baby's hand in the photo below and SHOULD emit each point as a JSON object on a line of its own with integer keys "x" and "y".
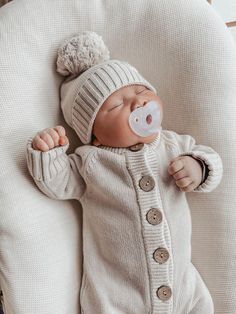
{"x": 186, "y": 172}
{"x": 50, "y": 138}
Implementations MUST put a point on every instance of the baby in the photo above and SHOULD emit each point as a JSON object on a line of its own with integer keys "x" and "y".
{"x": 130, "y": 178}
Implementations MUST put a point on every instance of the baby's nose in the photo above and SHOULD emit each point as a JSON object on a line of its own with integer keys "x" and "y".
{"x": 136, "y": 103}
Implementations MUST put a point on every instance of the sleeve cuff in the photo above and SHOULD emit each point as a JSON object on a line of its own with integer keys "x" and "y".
{"x": 204, "y": 167}
{"x": 212, "y": 165}
{"x": 43, "y": 166}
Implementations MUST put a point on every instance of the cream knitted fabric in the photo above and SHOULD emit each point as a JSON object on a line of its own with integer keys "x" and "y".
{"x": 120, "y": 233}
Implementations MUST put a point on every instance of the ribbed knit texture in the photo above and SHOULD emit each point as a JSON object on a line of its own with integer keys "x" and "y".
{"x": 120, "y": 273}
{"x": 83, "y": 97}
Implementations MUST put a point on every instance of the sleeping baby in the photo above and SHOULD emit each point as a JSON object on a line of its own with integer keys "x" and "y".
{"x": 131, "y": 179}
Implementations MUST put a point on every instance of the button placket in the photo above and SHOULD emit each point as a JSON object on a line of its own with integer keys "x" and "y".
{"x": 153, "y": 216}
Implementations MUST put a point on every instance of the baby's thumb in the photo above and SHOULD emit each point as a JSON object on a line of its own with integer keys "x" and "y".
{"x": 63, "y": 140}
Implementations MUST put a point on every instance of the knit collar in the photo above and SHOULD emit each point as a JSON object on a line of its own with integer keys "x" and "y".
{"x": 122, "y": 150}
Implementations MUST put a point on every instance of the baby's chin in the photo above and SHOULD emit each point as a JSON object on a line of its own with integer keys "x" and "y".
{"x": 149, "y": 139}
{"x": 141, "y": 140}
{"x": 125, "y": 144}
{"x": 138, "y": 140}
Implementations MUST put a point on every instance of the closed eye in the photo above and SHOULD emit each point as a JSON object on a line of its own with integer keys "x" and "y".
{"x": 115, "y": 106}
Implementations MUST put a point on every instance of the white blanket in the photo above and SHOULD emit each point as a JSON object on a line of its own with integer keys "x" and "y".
{"x": 184, "y": 49}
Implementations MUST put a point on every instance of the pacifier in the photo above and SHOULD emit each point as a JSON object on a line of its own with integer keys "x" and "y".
{"x": 146, "y": 120}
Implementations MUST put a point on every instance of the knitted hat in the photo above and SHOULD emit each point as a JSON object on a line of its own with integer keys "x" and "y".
{"x": 92, "y": 78}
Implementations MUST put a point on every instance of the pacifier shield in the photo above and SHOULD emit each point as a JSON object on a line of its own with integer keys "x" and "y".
{"x": 146, "y": 120}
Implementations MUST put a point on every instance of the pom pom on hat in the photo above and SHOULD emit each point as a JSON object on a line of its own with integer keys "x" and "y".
{"x": 81, "y": 52}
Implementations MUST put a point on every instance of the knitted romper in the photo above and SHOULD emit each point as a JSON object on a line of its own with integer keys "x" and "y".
{"x": 136, "y": 223}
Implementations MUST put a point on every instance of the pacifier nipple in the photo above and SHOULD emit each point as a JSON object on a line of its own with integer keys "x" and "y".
{"x": 149, "y": 119}
{"x": 146, "y": 120}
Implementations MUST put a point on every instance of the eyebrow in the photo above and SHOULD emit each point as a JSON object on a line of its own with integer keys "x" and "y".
{"x": 141, "y": 89}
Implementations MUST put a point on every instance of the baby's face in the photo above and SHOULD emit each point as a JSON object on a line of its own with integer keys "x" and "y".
{"x": 111, "y": 126}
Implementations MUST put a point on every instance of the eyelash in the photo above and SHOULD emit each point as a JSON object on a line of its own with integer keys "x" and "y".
{"x": 122, "y": 102}
{"x": 116, "y": 106}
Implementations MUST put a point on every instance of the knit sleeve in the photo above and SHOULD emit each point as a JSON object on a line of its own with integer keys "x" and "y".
{"x": 55, "y": 173}
{"x": 212, "y": 161}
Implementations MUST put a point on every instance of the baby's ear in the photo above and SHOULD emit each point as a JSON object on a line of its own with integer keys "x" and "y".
{"x": 95, "y": 141}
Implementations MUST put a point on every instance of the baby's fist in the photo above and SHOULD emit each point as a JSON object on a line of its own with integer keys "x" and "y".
{"x": 50, "y": 138}
{"x": 186, "y": 172}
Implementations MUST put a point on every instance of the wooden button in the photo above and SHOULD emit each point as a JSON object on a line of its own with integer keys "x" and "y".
{"x": 136, "y": 147}
{"x": 161, "y": 255}
{"x": 164, "y": 293}
{"x": 154, "y": 216}
{"x": 146, "y": 183}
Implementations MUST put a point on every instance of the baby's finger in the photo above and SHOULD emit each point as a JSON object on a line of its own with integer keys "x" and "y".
{"x": 182, "y": 183}
{"x": 55, "y": 136}
{"x": 189, "y": 188}
{"x": 39, "y": 144}
{"x": 60, "y": 130}
{"x": 47, "y": 139}
{"x": 180, "y": 174}
{"x": 63, "y": 140}
{"x": 176, "y": 158}
{"x": 175, "y": 166}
